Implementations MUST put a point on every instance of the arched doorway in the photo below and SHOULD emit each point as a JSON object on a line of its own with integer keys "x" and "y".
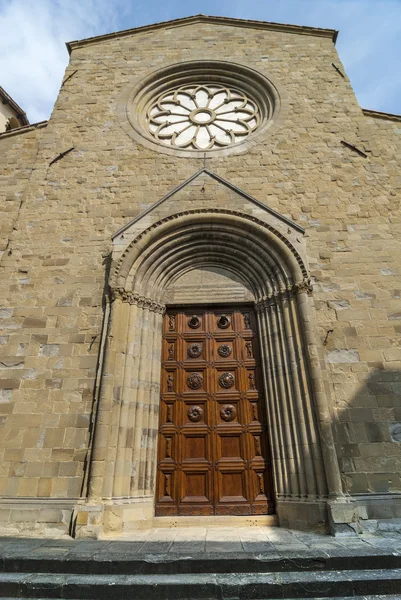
{"x": 265, "y": 264}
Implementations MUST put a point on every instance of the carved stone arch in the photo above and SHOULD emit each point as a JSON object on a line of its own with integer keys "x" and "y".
{"x": 305, "y": 465}
{"x": 278, "y": 243}
{"x": 12, "y": 123}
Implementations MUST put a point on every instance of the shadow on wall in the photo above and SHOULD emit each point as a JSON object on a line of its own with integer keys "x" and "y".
{"x": 367, "y": 431}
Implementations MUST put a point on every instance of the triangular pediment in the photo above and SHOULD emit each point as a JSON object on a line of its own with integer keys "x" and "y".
{"x": 206, "y": 191}
{"x": 193, "y": 193}
{"x": 196, "y": 19}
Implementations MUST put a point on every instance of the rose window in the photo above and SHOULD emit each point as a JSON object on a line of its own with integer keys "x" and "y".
{"x": 202, "y": 117}
{"x": 191, "y": 108}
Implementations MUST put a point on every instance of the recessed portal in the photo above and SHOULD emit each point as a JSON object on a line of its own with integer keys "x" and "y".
{"x": 213, "y": 456}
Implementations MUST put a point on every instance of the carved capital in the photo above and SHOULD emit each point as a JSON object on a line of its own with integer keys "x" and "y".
{"x": 275, "y": 298}
{"x": 140, "y": 301}
{"x": 268, "y": 302}
{"x": 303, "y": 286}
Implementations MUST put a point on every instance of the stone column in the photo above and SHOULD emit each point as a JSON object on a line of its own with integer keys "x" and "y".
{"x": 300, "y": 479}
{"x": 123, "y": 470}
{"x": 100, "y": 482}
{"x": 307, "y": 314}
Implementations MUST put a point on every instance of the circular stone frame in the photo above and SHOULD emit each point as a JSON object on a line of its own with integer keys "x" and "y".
{"x": 134, "y": 101}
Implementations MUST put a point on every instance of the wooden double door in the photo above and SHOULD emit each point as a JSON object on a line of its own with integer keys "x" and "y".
{"x": 213, "y": 456}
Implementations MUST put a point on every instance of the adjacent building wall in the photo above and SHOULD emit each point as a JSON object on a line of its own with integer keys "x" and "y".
{"x": 11, "y": 115}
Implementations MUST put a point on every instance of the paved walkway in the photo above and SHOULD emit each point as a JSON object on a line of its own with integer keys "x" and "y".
{"x": 198, "y": 540}
{"x": 248, "y": 539}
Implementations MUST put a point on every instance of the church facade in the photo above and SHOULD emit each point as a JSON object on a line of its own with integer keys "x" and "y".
{"x": 200, "y": 305}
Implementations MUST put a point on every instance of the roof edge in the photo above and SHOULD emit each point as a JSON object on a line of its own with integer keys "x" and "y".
{"x": 377, "y": 114}
{"x": 6, "y": 99}
{"x": 299, "y": 29}
{"x": 23, "y": 129}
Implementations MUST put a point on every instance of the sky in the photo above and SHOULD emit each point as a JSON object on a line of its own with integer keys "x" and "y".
{"x": 33, "y": 34}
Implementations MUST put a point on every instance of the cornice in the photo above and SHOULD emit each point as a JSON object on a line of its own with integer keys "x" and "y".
{"x": 280, "y": 27}
{"x": 24, "y": 129}
{"x": 376, "y": 114}
{"x": 6, "y": 99}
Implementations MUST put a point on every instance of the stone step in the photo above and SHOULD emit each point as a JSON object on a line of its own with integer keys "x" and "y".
{"x": 204, "y": 586}
{"x": 363, "y": 597}
{"x": 114, "y": 561}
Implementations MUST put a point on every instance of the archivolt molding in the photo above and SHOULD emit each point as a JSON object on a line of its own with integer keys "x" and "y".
{"x": 303, "y": 454}
{"x": 254, "y": 231}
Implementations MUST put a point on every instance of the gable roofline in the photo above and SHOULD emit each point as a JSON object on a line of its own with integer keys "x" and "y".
{"x": 219, "y": 180}
{"x": 377, "y": 114}
{"x": 297, "y": 29}
{"x": 6, "y": 99}
{"x": 23, "y": 129}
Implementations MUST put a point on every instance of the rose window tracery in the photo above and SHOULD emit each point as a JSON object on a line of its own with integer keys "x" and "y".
{"x": 200, "y": 106}
{"x": 202, "y": 117}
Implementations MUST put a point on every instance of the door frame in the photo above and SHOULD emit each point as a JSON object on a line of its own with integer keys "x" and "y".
{"x": 178, "y": 365}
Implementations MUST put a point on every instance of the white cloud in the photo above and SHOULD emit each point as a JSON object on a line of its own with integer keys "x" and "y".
{"x": 33, "y": 35}
{"x": 369, "y": 46}
{"x": 33, "y": 55}
{"x": 369, "y": 43}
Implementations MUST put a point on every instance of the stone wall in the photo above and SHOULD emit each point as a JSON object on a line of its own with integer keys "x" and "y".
{"x": 58, "y": 241}
{"x": 360, "y": 300}
{"x": 19, "y": 150}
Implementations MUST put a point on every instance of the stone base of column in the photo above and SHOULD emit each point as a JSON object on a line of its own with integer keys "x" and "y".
{"x": 345, "y": 515}
{"x": 365, "y": 513}
{"x": 304, "y": 515}
{"x": 88, "y": 521}
{"x": 95, "y": 521}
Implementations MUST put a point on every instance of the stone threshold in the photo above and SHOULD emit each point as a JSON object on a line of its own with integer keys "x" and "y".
{"x": 217, "y": 521}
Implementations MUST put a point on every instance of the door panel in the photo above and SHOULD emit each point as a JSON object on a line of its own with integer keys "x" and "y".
{"x": 213, "y": 455}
